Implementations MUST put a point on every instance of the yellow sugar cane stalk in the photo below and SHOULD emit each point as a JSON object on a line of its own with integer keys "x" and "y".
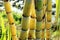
{"x": 25, "y": 27}
{"x": 44, "y": 2}
{"x": 27, "y": 8}
{"x": 42, "y": 35}
{"x": 31, "y": 35}
{"x": 11, "y": 20}
{"x": 44, "y": 9}
{"x": 48, "y": 19}
{"x": 32, "y": 22}
{"x": 48, "y": 25}
{"x": 44, "y": 21}
{"x": 49, "y": 10}
{"x": 45, "y": 5}
{"x": 32, "y": 28}
{"x": 26, "y": 20}
{"x": 48, "y": 16}
{"x": 39, "y": 16}
{"x": 49, "y": 5}
{"x": 44, "y": 12}
{"x": 32, "y": 11}
{"x": 43, "y": 25}
{"x": 48, "y": 34}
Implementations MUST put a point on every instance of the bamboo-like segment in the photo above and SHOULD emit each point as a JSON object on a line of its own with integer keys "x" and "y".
{"x": 42, "y": 30}
{"x": 24, "y": 36}
{"x": 32, "y": 23}
{"x": 44, "y": 10}
{"x": 48, "y": 25}
{"x": 43, "y": 25}
{"x": 48, "y": 16}
{"x": 48, "y": 19}
{"x": 42, "y": 35}
{"x": 43, "y": 21}
{"x": 44, "y": 2}
{"x": 39, "y": 26}
{"x": 32, "y": 28}
{"x": 39, "y": 9}
{"x": 49, "y": 5}
{"x": 48, "y": 32}
{"x": 48, "y": 35}
{"x": 11, "y": 20}
{"x": 39, "y": 21}
{"x": 26, "y": 20}
{"x": 27, "y": 8}
{"x": 44, "y": 6}
{"x": 25, "y": 23}
{"x": 31, "y": 35}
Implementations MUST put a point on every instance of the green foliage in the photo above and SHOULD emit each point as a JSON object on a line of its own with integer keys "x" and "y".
{"x": 17, "y": 17}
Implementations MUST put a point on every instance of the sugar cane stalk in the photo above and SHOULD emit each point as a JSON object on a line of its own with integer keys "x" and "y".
{"x": 39, "y": 17}
{"x": 26, "y": 20}
{"x": 11, "y": 20}
{"x": 48, "y": 19}
{"x": 32, "y": 22}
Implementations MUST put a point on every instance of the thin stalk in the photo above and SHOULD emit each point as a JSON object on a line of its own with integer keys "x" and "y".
{"x": 48, "y": 19}
{"x": 2, "y": 28}
{"x": 10, "y": 19}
